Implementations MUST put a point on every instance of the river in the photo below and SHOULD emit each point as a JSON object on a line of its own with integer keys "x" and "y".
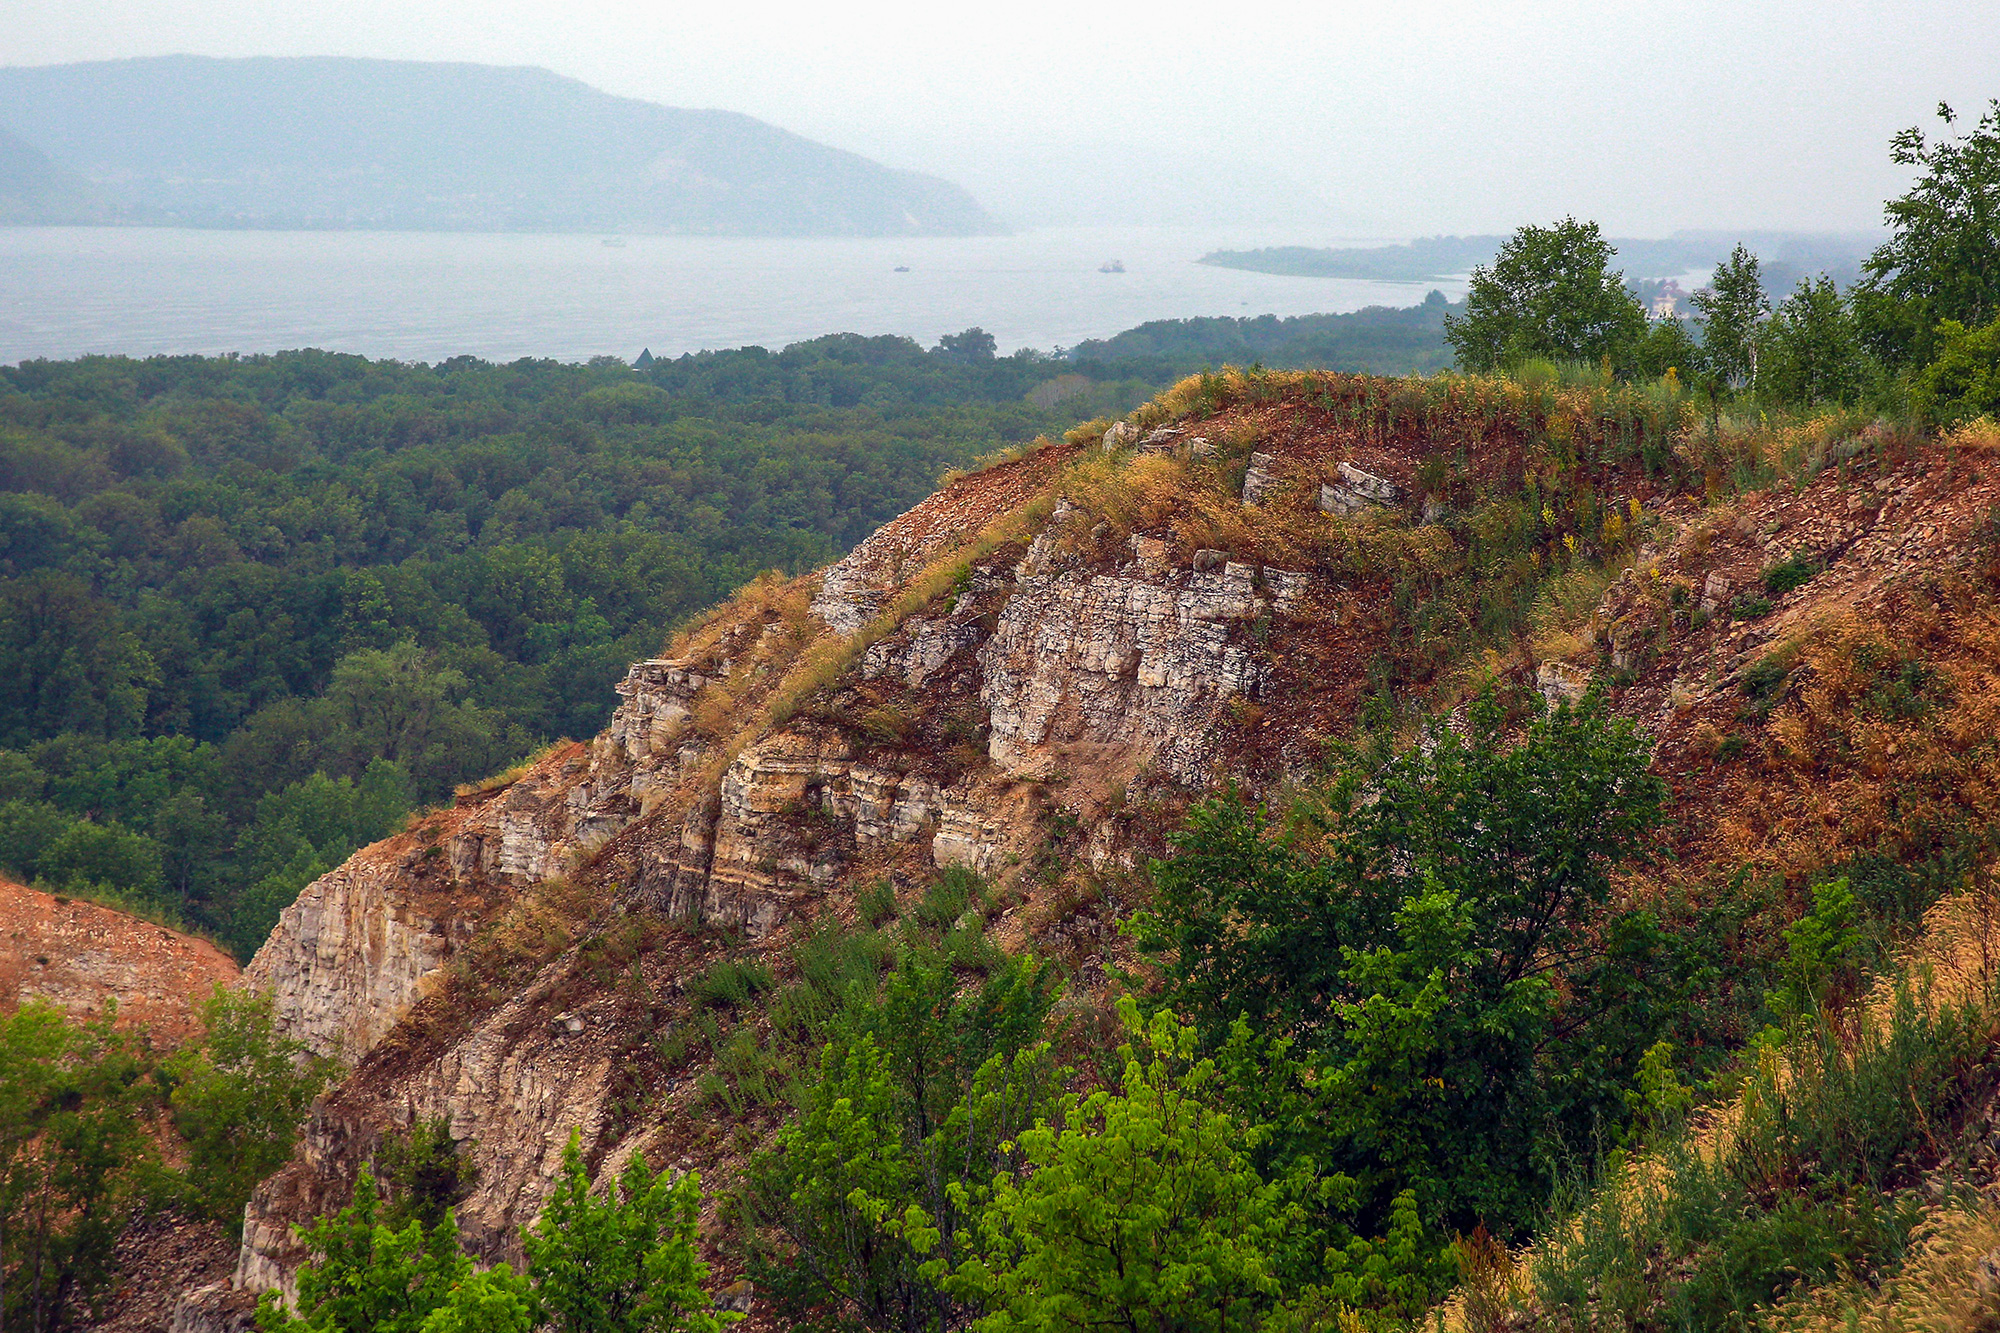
{"x": 65, "y": 291}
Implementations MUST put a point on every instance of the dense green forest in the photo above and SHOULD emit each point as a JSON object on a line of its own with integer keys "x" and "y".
{"x": 1379, "y": 339}
{"x": 253, "y": 609}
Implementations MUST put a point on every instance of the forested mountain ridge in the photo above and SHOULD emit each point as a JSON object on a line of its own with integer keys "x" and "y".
{"x": 323, "y": 142}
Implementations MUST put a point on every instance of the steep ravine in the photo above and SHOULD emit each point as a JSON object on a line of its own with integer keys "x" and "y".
{"x": 1070, "y": 680}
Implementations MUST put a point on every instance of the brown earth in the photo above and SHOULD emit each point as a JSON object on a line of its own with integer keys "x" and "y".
{"x": 77, "y": 956}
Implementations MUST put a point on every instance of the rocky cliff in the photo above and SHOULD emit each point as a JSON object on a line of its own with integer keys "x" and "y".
{"x": 1032, "y": 674}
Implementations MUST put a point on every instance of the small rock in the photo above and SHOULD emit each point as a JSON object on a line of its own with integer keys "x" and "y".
{"x": 1986, "y": 1274}
{"x": 1206, "y": 560}
{"x": 1714, "y": 590}
{"x": 738, "y": 1296}
{"x": 1201, "y": 447}
{"x": 1355, "y": 491}
{"x": 1161, "y": 440}
{"x": 1257, "y": 479}
{"x": 1121, "y": 434}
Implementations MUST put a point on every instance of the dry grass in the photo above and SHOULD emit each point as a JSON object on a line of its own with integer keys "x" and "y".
{"x": 1939, "y": 1290}
{"x": 1981, "y": 435}
{"x": 1886, "y": 729}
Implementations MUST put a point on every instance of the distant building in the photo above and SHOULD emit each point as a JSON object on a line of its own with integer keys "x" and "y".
{"x": 645, "y": 359}
{"x": 1667, "y": 301}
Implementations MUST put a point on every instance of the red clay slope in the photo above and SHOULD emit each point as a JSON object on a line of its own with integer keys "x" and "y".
{"x": 76, "y": 955}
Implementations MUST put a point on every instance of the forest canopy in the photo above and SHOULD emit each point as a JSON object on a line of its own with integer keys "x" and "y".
{"x": 253, "y": 609}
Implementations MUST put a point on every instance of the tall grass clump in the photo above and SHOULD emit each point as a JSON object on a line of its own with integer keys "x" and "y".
{"x": 1811, "y": 1175}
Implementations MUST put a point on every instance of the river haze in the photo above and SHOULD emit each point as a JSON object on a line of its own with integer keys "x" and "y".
{"x": 66, "y": 291}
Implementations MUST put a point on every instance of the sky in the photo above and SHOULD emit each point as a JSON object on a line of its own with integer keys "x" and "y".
{"x": 1336, "y": 120}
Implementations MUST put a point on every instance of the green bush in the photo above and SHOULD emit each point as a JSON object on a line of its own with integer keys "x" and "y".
{"x": 1787, "y": 575}
{"x": 1433, "y": 932}
{"x": 731, "y": 981}
{"x": 1803, "y": 1193}
{"x": 1964, "y": 381}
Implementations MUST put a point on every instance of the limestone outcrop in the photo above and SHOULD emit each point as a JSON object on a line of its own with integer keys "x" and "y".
{"x": 951, "y": 738}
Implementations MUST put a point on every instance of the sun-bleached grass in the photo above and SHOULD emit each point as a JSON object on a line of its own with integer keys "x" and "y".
{"x": 1841, "y": 1099}
{"x": 1940, "y": 1288}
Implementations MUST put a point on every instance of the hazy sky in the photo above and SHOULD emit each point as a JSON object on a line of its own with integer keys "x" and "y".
{"x": 1338, "y": 118}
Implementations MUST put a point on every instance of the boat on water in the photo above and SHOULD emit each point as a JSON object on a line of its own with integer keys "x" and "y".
{"x": 615, "y": 242}
{"x": 902, "y": 268}
{"x": 1112, "y": 266}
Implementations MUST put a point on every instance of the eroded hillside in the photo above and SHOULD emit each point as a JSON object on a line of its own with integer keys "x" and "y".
{"x": 78, "y": 956}
{"x": 1034, "y": 673}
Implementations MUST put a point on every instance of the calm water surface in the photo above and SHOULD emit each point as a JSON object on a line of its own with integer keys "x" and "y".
{"x": 425, "y": 296}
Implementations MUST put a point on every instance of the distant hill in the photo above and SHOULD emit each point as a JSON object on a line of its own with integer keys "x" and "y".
{"x": 76, "y": 955}
{"x": 1788, "y": 255}
{"x": 336, "y": 143}
{"x": 34, "y": 189}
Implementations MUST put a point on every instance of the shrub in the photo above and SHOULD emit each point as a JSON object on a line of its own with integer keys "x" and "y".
{"x": 1787, "y": 575}
{"x": 1434, "y": 931}
{"x": 730, "y": 981}
{"x": 1963, "y": 383}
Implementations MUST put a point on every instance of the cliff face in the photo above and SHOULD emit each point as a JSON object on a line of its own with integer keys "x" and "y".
{"x": 1031, "y": 673}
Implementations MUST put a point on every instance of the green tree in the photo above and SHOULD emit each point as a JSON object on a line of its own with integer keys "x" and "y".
{"x": 909, "y": 1110}
{"x": 1435, "y": 926}
{"x": 73, "y": 1160}
{"x": 624, "y": 1263}
{"x": 1548, "y": 293}
{"x": 497, "y": 1300}
{"x": 1964, "y": 381}
{"x": 27, "y": 830}
{"x": 239, "y": 1096}
{"x": 366, "y": 1277}
{"x": 1810, "y": 350}
{"x": 1137, "y": 1210}
{"x": 89, "y": 854}
{"x": 1669, "y": 347}
{"x": 1942, "y": 260}
{"x": 1732, "y": 307}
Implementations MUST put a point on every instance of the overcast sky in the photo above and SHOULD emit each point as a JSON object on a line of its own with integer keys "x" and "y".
{"x": 1339, "y": 119}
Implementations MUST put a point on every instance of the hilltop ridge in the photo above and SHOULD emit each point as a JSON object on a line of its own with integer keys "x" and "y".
{"x": 1032, "y": 675}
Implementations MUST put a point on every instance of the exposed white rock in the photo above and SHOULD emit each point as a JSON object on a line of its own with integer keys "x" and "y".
{"x": 1559, "y": 682}
{"x": 1099, "y": 658}
{"x": 927, "y": 646}
{"x": 1258, "y": 480}
{"x": 1355, "y": 491}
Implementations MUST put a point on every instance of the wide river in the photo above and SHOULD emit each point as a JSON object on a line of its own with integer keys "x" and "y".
{"x": 425, "y": 296}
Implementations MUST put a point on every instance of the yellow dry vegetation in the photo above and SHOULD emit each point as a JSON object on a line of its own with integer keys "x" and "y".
{"x": 1942, "y": 1287}
{"x": 1883, "y": 734}
{"x": 1954, "y": 964}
